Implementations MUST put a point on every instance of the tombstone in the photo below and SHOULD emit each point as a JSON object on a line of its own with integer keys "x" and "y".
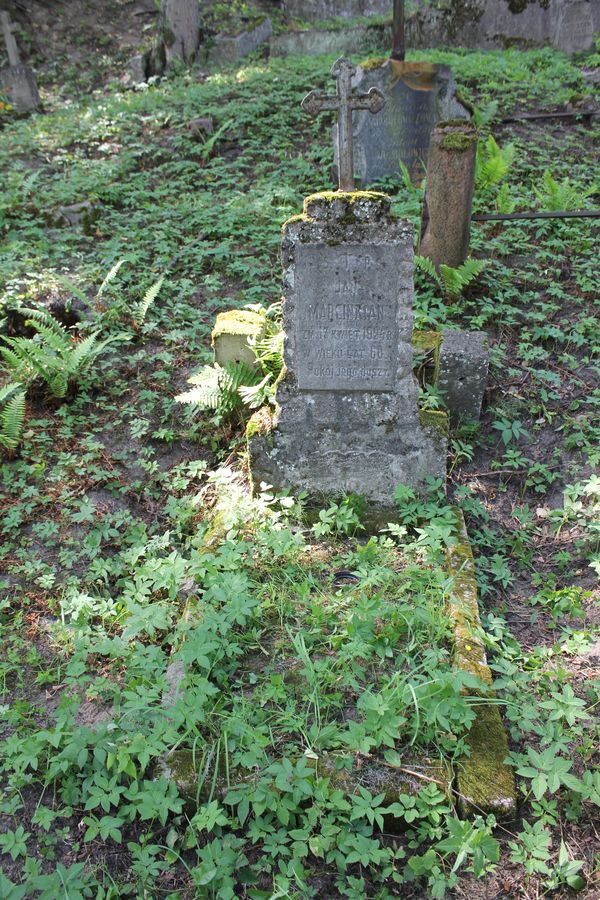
{"x": 229, "y": 48}
{"x": 418, "y": 95}
{"x": 446, "y": 220}
{"x": 16, "y": 79}
{"x": 574, "y": 26}
{"x": 181, "y": 29}
{"x": 348, "y": 418}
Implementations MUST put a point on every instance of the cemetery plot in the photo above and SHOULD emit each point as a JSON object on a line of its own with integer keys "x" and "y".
{"x": 151, "y": 606}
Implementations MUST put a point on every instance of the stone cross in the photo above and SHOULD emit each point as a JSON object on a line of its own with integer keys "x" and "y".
{"x": 11, "y": 45}
{"x": 344, "y": 102}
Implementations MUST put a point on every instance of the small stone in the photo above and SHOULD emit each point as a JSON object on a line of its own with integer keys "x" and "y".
{"x": 201, "y": 127}
{"x": 233, "y": 334}
{"x": 462, "y": 372}
{"x": 137, "y": 68}
{"x": 84, "y": 214}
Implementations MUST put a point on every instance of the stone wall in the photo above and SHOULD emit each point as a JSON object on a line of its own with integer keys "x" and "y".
{"x": 318, "y": 10}
{"x": 568, "y": 25}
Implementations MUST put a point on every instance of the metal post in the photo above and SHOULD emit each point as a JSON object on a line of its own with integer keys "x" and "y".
{"x": 399, "y": 41}
{"x": 345, "y": 137}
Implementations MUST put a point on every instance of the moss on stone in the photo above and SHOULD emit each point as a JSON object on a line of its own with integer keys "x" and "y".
{"x": 301, "y": 217}
{"x": 486, "y": 783}
{"x": 434, "y": 418}
{"x": 426, "y": 341}
{"x": 238, "y": 322}
{"x": 261, "y": 423}
{"x": 464, "y": 102}
{"x": 349, "y": 197}
{"x": 374, "y": 62}
{"x": 458, "y": 141}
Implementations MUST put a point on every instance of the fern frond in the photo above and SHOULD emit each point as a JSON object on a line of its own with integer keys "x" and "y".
{"x": 40, "y": 317}
{"x": 73, "y": 288}
{"x": 109, "y": 277}
{"x": 205, "y": 393}
{"x": 147, "y": 301}
{"x": 425, "y": 265}
{"x": 12, "y": 415}
{"x": 83, "y": 354}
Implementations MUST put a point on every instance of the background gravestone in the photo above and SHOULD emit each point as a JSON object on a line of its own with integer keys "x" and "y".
{"x": 446, "y": 219}
{"x": 348, "y": 416}
{"x": 417, "y": 97}
{"x": 180, "y": 22}
{"x": 16, "y": 80}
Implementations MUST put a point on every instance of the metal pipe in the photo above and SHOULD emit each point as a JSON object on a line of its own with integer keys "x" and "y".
{"x": 560, "y": 214}
{"x": 399, "y": 40}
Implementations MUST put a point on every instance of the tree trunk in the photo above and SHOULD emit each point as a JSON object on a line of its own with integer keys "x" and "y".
{"x": 181, "y": 29}
{"x": 446, "y": 220}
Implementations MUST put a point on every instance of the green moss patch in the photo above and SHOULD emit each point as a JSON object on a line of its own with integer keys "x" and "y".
{"x": 485, "y": 782}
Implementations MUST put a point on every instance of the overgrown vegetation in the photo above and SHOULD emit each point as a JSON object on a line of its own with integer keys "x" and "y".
{"x": 151, "y": 607}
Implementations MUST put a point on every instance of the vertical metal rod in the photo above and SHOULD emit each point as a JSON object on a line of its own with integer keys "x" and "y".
{"x": 399, "y": 41}
{"x": 345, "y": 153}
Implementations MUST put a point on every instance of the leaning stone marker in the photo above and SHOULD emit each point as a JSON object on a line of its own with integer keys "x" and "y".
{"x": 17, "y": 80}
{"x": 417, "y": 96}
{"x": 181, "y": 29}
{"x": 348, "y": 418}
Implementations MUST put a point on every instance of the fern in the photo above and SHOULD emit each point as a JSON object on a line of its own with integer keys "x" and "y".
{"x": 218, "y": 387}
{"x": 452, "y": 281}
{"x": 148, "y": 299}
{"x": 558, "y": 195}
{"x": 493, "y": 162}
{"x": 12, "y": 415}
{"x": 52, "y": 355}
{"x": 113, "y": 272}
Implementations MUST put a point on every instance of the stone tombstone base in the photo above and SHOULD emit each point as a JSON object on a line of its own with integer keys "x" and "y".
{"x": 461, "y": 372}
{"x": 418, "y": 95}
{"x": 229, "y": 48}
{"x": 347, "y": 416}
{"x": 18, "y": 82}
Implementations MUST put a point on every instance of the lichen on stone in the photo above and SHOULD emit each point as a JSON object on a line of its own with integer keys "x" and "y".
{"x": 374, "y": 62}
{"x": 435, "y": 419}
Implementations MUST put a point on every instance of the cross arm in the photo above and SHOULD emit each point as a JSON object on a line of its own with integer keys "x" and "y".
{"x": 374, "y": 101}
{"x": 317, "y": 101}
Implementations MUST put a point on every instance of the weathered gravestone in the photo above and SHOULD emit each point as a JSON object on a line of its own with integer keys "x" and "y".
{"x": 446, "y": 219}
{"x": 348, "y": 417}
{"x": 418, "y": 95}
{"x": 180, "y": 24}
{"x": 17, "y": 80}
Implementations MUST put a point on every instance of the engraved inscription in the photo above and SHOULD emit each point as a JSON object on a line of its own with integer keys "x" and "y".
{"x": 401, "y": 131}
{"x": 346, "y": 317}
